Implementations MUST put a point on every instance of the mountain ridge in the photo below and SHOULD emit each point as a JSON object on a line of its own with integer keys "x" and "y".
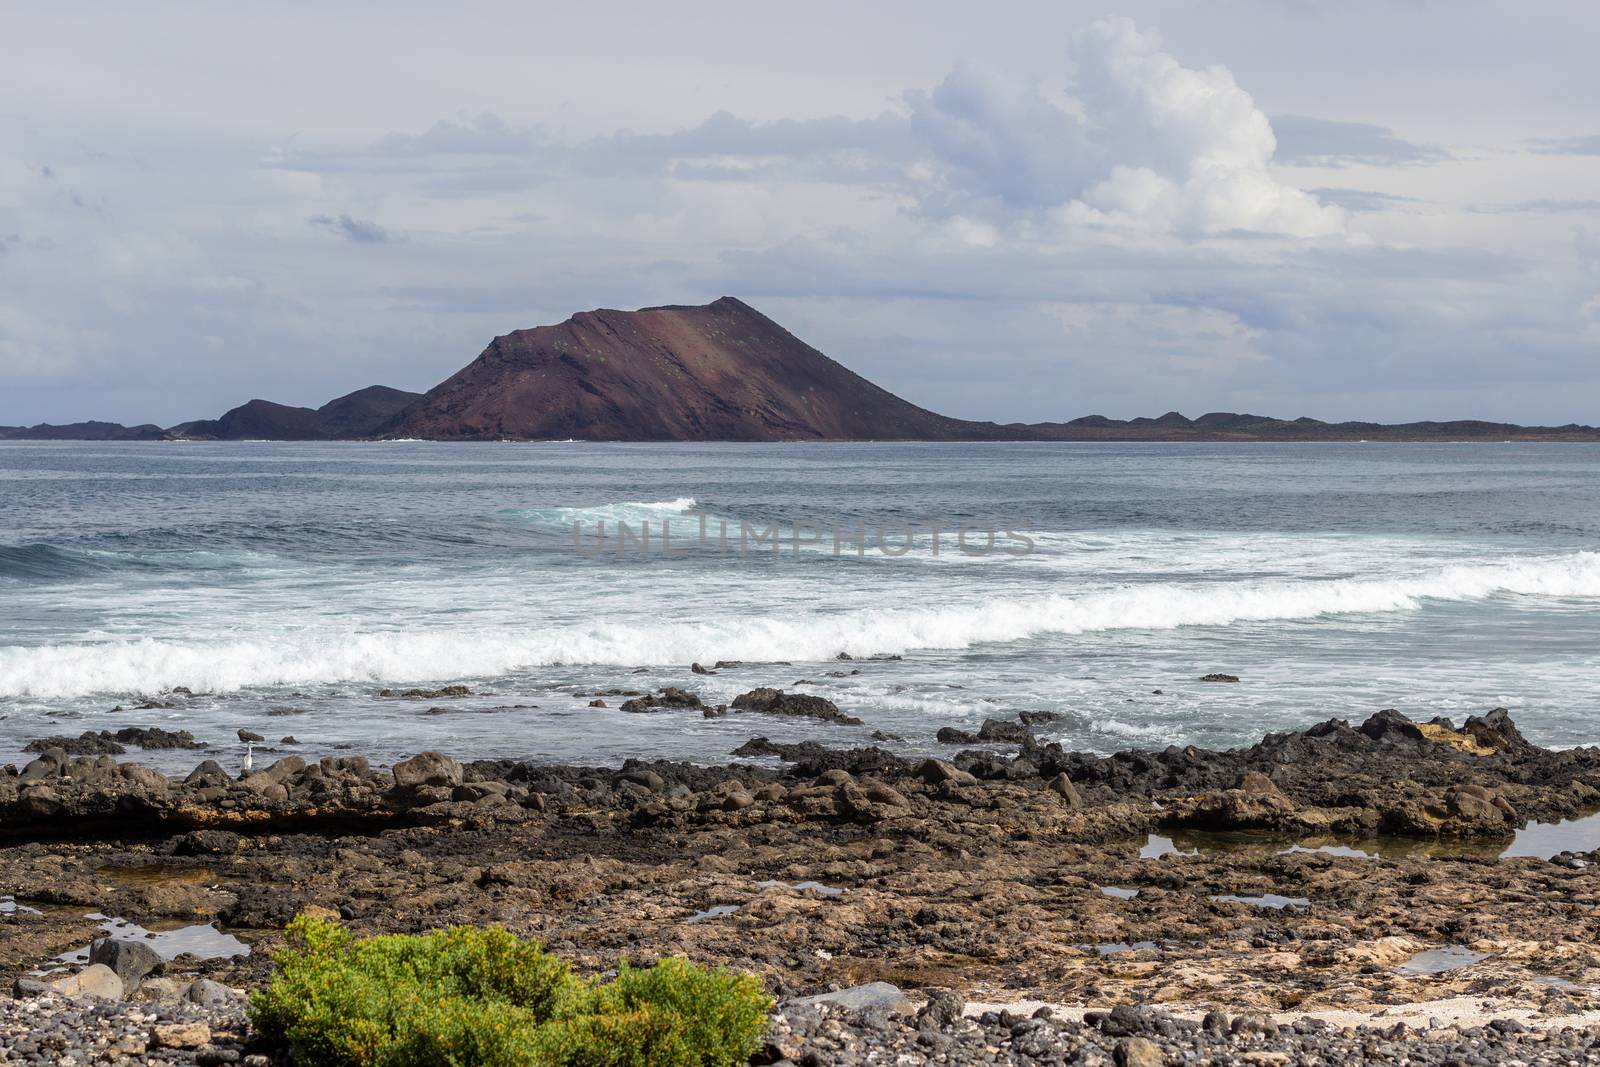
{"x": 721, "y": 371}
{"x": 352, "y": 416}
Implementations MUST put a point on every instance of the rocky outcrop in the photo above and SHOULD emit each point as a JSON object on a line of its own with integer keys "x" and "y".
{"x": 1388, "y": 772}
{"x": 670, "y": 697}
{"x": 57, "y": 792}
{"x": 798, "y": 705}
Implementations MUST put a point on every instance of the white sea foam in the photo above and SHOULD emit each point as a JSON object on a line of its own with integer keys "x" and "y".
{"x": 327, "y": 655}
{"x": 629, "y": 511}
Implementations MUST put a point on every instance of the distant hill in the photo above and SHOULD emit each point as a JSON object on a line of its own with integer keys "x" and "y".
{"x": 359, "y": 414}
{"x": 715, "y": 372}
{"x": 83, "y": 431}
{"x": 355, "y": 415}
{"x": 720, "y": 372}
{"x": 1228, "y": 426}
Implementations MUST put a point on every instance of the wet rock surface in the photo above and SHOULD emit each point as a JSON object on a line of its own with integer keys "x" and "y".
{"x": 982, "y": 876}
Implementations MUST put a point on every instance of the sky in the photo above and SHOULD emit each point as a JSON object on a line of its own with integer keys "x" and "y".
{"x": 1019, "y": 211}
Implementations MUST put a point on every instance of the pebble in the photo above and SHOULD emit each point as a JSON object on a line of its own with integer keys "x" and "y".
{"x": 805, "y": 1032}
{"x": 53, "y": 1029}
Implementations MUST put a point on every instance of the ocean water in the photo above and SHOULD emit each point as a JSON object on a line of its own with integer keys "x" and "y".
{"x": 286, "y": 584}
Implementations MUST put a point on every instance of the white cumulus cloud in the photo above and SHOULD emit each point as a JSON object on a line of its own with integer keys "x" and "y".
{"x": 1140, "y": 141}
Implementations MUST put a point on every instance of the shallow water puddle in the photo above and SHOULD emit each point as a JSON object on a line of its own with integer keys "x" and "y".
{"x": 201, "y": 940}
{"x": 1441, "y": 959}
{"x": 1550, "y": 981}
{"x": 1111, "y": 948}
{"x": 1342, "y": 851}
{"x": 1156, "y": 846}
{"x": 716, "y": 911}
{"x": 156, "y": 874}
{"x": 1536, "y": 840}
{"x": 9, "y": 906}
{"x": 1265, "y": 900}
{"x": 1542, "y": 840}
{"x": 1119, "y": 892}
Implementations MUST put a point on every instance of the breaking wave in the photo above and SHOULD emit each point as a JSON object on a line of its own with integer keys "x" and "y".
{"x": 44, "y": 563}
{"x": 35, "y": 563}
{"x": 330, "y": 656}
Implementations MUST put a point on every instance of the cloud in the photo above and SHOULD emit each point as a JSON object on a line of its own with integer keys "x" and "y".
{"x": 1137, "y": 141}
{"x": 1541, "y": 207}
{"x": 1091, "y": 221}
{"x": 361, "y": 231}
{"x": 34, "y": 349}
{"x": 1314, "y": 142}
{"x": 1140, "y": 141}
{"x": 483, "y": 134}
{"x": 1586, "y": 244}
{"x": 1567, "y": 146}
{"x": 63, "y": 190}
{"x": 1363, "y": 200}
{"x": 727, "y": 147}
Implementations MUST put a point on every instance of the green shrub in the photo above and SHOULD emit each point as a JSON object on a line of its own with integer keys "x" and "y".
{"x": 471, "y": 997}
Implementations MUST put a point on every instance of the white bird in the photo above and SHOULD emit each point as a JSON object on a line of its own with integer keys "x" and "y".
{"x": 249, "y": 757}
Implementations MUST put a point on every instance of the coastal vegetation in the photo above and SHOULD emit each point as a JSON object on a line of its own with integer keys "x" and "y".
{"x": 482, "y": 997}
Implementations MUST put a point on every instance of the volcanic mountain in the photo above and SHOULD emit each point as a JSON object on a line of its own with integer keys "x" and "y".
{"x": 721, "y": 372}
{"x": 718, "y": 372}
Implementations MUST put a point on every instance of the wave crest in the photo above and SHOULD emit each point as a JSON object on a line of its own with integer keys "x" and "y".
{"x": 333, "y": 657}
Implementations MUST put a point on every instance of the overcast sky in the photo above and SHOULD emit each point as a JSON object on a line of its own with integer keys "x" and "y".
{"x": 1335, "y": 208}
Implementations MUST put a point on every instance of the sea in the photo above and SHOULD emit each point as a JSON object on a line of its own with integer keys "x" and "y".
{"x": 281, "y": 588}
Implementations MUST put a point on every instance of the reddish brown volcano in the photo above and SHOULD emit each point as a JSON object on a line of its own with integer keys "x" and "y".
{"x": 720, "y": 372}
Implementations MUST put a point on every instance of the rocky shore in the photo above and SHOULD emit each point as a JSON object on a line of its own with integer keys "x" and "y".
{"x": 1331, "y": 895}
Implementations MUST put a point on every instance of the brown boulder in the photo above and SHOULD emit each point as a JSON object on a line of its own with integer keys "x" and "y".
{"x": 1062, "y": 786}
{"x": 427, "y": 769}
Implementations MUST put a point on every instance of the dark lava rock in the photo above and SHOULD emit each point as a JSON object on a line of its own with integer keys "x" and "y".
{"x": 106, "y": 743}
{"x": 206, "y": 843}
{"x": 209, "y": 773}
{"x": 427, "y": 694}
{"x": 251, "y": 736}
{"x": 670, "y": 697}
{"x": 1219, "y": 678}
{"x": 152, "y": 738}
{"x": 944, "y": 1008}
{"x": 264, "y": 907}
{"x": 999, "y": 730}
{"x": 811, "y": 759}
{"x": 938, "y": 772}
{"x": 87, "y": 743}
{"x": 131, "y": 960}
{"x": 803, "y": 705}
